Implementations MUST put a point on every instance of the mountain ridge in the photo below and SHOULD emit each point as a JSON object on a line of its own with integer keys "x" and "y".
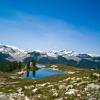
{"x": 50, "y": 57}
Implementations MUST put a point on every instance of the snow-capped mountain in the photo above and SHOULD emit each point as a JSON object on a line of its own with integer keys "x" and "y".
{"x": 19, "y": 54}
{"x": 50, "y": 57}
{"x": 64, "y": 57}
{"x": 15, "y": 53}
{"x": 64, "y": 53}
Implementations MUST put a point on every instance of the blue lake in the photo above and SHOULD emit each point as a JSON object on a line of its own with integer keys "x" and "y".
{"x": 43, "y": 72}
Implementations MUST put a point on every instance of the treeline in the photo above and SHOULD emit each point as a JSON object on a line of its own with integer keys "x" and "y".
{"x": 7, "y": 66}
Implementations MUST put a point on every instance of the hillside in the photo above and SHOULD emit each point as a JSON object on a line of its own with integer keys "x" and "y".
{"x": 75, "y": 84}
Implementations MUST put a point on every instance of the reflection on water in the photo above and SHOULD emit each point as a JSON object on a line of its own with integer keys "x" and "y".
{"x": 43, "y": 72}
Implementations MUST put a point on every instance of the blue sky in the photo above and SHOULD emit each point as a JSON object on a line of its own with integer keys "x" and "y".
{"x": 51, "y": 24}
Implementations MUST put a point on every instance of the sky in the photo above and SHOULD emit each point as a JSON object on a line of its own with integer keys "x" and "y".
{"x": 51, "y": 24}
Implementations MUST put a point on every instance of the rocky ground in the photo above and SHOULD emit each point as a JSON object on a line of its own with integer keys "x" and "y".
{"x": 75, "y": 84}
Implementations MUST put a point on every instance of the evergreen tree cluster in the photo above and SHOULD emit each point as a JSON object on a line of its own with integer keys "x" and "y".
{"x": 7, "y": 66}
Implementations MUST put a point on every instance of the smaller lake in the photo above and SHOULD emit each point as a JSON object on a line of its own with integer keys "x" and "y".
{"x": 43, "y": 72}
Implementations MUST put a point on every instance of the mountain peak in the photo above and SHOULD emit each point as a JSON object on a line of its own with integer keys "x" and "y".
{"x": 19, "y": 54}
{"x": 12, "y": 47}
{"x": 13, "y": 51}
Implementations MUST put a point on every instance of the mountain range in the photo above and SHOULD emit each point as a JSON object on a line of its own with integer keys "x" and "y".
{"x": 73, "y": 58}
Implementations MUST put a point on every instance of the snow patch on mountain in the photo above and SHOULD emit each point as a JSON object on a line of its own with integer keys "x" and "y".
{"x": 14, "y": 52}
{"x": 19, "y": 55}
{"x": 94, "y": 55}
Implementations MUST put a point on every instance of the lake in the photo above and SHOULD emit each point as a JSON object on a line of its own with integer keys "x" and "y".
{"x": 43, "y": 72}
